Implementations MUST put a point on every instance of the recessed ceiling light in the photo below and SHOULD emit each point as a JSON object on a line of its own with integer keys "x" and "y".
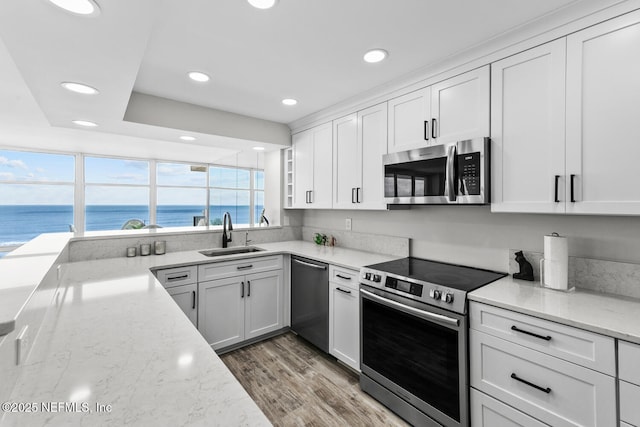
{"x": 84, "y": 123}
{"x": 79, "y": 88}
{"x": 198, "y": 76}
{"x": 187, "y": 138}
{"x": 258, "y": 148}
{"x": 263, "y": 4}
{"x": 375, "y": 55}
{"x": 79, "y": 7}
{"x": 289, "y": 101}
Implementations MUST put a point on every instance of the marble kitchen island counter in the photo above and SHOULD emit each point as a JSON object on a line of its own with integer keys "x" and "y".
{"x": 117, "y": 338}
{"x": 606, "y": 314}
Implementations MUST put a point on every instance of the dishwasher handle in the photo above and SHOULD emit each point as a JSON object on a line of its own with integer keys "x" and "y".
{"x": 308, "y": 264}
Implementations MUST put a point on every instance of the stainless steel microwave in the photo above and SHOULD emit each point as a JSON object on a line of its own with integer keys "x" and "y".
{"x": 455, "y": 173}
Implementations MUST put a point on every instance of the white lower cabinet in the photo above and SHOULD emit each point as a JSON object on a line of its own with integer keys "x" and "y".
{"x": 629, "y": 383}
{"x": 235, "y": 309}
{"x": 186, "y": 296}
{"x": 344, "y": 316}
{"x": 489, "y": 412}
{"x": 540, "y": 381}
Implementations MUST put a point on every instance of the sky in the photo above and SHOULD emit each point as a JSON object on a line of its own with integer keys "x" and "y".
{"x": 54, "y": 174}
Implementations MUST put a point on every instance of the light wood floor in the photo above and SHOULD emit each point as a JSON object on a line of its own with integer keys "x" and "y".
{"x": 297, "y": 385}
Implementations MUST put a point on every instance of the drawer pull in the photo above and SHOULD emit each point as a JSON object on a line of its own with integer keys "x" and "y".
{"x": 343, "y": 291}
{"x": 542, "y": 337}
{"x": 537, "y": 387}
{"x": 244, "y": 267}
{"x": 343, "y": 277}
{"x": 171, "y": 279}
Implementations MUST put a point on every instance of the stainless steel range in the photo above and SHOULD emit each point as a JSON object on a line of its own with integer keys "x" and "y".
{"x": 413, "y": 337}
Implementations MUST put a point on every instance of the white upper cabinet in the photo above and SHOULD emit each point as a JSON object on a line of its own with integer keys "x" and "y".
{"x": 346, "y": 162}
{"x": 409, "y": 121}
{"x": 360, "y": 141}
{"x": 452, "y": 110}
{"x": 312, "y": 157}
{"x": 528, "y": 131}
{"x": 460, "y": 107}
{"x": 603, "y": 89}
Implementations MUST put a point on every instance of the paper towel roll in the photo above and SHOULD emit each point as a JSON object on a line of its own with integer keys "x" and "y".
{"x": 556, "y": 262}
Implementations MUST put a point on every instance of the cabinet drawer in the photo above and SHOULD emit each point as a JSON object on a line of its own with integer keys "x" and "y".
{"x": 549, "y": 389}
{"x": 171, "y": 277}
{"x": 629, "y": 359}
{"x": 344, "y": 276}
{"x": 489, "y": 412}
{"x": 233, "y": 268}
{"x": 629, "y": 401}
{"x": 575, "y": 345}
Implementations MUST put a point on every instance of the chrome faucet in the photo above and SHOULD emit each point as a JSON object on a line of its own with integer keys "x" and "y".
{"x": 246, "y": 238}
{"x": 226, "y": 239}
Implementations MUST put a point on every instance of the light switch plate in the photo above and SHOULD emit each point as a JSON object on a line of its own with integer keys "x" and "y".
{"x": 347, "y": 224}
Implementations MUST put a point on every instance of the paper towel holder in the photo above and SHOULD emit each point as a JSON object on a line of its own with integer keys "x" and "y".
{"x": 563, "y": 286}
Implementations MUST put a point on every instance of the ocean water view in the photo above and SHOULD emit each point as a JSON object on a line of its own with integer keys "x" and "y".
{"x": 21, "y": 223}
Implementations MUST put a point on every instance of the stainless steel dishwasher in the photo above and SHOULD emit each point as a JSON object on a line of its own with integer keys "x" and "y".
{"x": 310, "y": 301}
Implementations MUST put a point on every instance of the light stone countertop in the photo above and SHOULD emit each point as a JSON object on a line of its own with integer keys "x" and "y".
{"x": 115, "y": 337}
{"x": 610, "y": 315}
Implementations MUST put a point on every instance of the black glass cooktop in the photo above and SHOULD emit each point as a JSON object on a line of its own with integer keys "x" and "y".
{"x": 453, "y": 276}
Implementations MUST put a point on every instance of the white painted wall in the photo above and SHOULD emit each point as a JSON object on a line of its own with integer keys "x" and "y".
{"x": 472, "y": 235}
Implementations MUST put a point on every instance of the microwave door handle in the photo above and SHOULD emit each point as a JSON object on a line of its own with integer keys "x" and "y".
{"x": 450, "y": 176}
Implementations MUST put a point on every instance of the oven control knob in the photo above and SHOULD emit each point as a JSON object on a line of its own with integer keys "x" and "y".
{"x": 367, "y": 276}
{"x": 447, "y": 297}
{"x": 435, "y": 294}
{"x": 376, "y": 278}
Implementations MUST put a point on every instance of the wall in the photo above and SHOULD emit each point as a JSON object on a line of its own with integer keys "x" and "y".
{"x": 472, "y": 235}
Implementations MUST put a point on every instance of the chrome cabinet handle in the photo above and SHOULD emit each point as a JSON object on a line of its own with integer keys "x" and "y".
{"x": 193, "y": 300}
{"x": 522, "y": 331}
{"x": 244, "y": 267}
{"x": 308, "y": 264}
{"x": 343, "y": 290}
{"x": 555, "y": 199}
{"x": 410, "y": 310}
{"x": 426, "y": 130}
{"x": 530, "y": 384}
{"x": 343, "y": 277}
{"x": 171, "y": 279}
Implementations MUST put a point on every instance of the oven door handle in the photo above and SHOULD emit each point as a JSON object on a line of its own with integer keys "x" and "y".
{"x": 407, "y": 309}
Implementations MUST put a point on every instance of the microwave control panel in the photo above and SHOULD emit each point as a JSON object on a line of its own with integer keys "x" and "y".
{"x": 469, "y": 170}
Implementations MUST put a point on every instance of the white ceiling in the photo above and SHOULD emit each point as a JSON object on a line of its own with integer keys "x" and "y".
{"x": 310, "y": 50}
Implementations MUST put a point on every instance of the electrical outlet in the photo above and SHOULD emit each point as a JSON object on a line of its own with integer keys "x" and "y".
{"x": 347, "y": 224}
{"x": 22, "y": 345}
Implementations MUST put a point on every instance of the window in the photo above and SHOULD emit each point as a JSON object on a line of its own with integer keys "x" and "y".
{"x": 43, "y": 193}
{"x": 116, "y": 193}
{"x": 230, "y": 191}
{"x": 36, "y": 195}
{"x": 181, "y": 194}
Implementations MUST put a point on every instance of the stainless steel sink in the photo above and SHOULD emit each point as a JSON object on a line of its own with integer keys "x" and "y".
{"x": 230, "y": 251}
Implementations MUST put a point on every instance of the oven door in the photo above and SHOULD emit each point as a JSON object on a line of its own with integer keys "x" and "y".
{"x": 418, "y": 355}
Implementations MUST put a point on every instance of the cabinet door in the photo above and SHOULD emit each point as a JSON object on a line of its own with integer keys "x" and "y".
{"x": 489, "y": 412}
{"x": 372, "y": 145}
{"x": 409, "y": 121}
{"x": 186, "y": 296}
{"x": 221, "y": 313}
{"x": 302, "y": 167}
{"x": 263, "y": 303}
{"x": 321, "y": 194}
{"x": 460, "y": 107}
{"x": 347, "y": 161}
{"x": 527, "y": 131}
{"x": 603, "y": 88}
{"x": 344, "y": 324}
